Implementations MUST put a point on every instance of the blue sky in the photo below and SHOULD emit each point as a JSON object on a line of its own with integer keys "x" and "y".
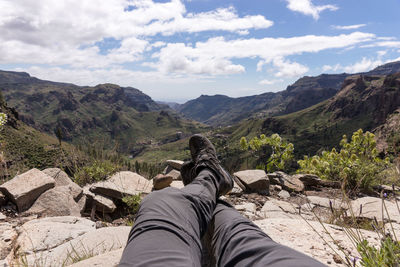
{"x": 176, "y": 50}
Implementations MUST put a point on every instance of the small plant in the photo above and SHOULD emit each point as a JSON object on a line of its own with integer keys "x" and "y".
{"x": 281, "y": 151}
{"x": 387, "y": 255}
{"x": 357, "y": 165}
{"x": 3, "y": 119}
{"x": 97, "y": 171}
{"x": 132, "y": 202}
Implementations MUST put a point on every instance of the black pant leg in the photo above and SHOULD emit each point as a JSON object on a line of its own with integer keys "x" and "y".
{"x": 237, "y": 241}
{"x": 170, "y": 224}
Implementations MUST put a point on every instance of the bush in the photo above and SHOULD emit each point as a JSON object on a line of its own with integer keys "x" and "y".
{"x": 357, "y": 165}
{"x": 3, "y": 119}
{"x": 388, "y": 254}
{"x": 132, "y": 202}
{"x": 281, "y": 152}
{"x": 97, "y": 171}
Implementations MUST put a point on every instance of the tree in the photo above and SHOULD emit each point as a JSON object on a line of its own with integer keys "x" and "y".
{"x": 59, "y": 134}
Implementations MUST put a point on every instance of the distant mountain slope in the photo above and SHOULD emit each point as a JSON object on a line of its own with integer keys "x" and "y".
{"x": 108, "y": 114}
{"x": 307, "y": 91}
{"x": 365, "y": 101}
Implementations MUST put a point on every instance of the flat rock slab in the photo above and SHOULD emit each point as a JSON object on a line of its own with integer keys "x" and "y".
{"x": 253, "y": 181}
{"x": 90, "y": 244}
{"x": 122, "y": 184}
{"x": 24, "y": 189}
{"x": 7, "y": 235}
{"x": 108, "y": 259}
{"x": 297, "y": 234}
{"x": 46, "y": 233}
{"x": 336, "y": 204}
{"x": 370, "y": 207}
{"x": 176, "y": 164}
{"x": 58, "y": 201}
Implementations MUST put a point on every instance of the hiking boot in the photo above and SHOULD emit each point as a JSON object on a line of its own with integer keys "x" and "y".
{"x": 204, "y": 156}
{"x": 187, "y": 172}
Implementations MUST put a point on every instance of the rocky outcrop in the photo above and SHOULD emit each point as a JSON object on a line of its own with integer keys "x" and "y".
{"x": 288, "y": 182}
{"x": 175, "y": 164}
{"x": 253, "y": 181}
{"x": 24, "y": 189}
{"x": 110, "y": 258}
{"x": 62, "y": 179}
{"x": 122, "y": 184}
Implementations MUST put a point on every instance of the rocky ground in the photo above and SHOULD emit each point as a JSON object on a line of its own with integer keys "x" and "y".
{"x": 48, "y": 220}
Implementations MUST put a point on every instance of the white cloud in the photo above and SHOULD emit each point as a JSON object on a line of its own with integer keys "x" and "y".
{"x": 216, "y": 55}
{"x": 333, "y": 68}
{"x": 269, "y": 82}
{"x": 289, "y": 69}
{"x": 364, "y": 65}
{"x": 66, "y": 32}
{"x": 349, "y": 27}
{"x": 306, "y": 7}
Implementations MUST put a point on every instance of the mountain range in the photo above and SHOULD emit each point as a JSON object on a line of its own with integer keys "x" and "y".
{"x": 222, "y": 110}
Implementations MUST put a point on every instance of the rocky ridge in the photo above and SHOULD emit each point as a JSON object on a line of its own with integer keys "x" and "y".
{"x": 48, "y": 220}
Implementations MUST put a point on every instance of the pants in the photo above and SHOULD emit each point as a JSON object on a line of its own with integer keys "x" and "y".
{"x": 170, "y": 224}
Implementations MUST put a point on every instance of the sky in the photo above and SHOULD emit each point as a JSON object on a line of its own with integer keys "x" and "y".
{"x": 176, "y": 50}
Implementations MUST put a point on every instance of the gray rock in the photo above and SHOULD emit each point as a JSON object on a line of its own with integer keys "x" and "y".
{"x": 61, "y": 179}
{"x": 2, "y": 216}
{"x": 309, "y": 238}
{"x": 326, "y": 202}
{"x": 161, "y": 181}
{"x": 103, "y": 204}
{"x": 167, "y": 169}
{"x": 284, "y": 194}
{"x": 253, "y": 181}
{"x": 107, "y": 259}
{"x": 370, "y": 207}
{"x": 41, "y": 235}
{"x": 176, "y": 175}
{"x": 290, "y": 183}
{"x": 90, "y": 244}
{"x": 274, "y": 208}
{"x": 58, "y": 201}
{"x": 247, "y": 209}
{"x": 122, "y": 184}
{"x": 7, "y": 235}
{"x": 308, "y": 179}
{"x": 176, "y": 164}
{"x": 24, "y": 189}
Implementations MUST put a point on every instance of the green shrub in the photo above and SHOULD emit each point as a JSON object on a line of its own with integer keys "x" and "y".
{"x": 97, "y": 171}
{"x": 357, "y": 165}
{"x": 132, "y": 202}
{"x": 281, "y": 152}
{"x": 387, "y": 255}
{"x": 3, "y": 119}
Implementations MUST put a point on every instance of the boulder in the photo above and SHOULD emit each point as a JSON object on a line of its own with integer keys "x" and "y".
{"x": 176, "y": 164}
{"x": 42, "y": 235}
{"x": 253, "y": 181}
{"x": 62, "y": 179}
{"x": 370, "y": 207}
{"x": 90, "y": 244}
{"x": 110, "y": 258}
{"x": 310, "y": 237}
{"x": 7, "y": 235}
{"x": 122, "y": 184}
{"x": 308, "y": 179}
{"x": 274, "y": 208}
{"x": 236, "y": 189}
{"x": 289, "y": 183}
{"x": 176, "y": 175}
{"x": 2, "y": 216}
{"x": 284, "y": 194}
{"x": 24, "y": 189}
{"x": 58, "y": 201}
{"x": 103, "y": 204}
{"x": 161, "y": 181}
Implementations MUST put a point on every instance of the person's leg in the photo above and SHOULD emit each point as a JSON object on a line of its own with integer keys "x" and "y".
{"x": 237, "y": 241}
{"x": 170, "y": 223}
